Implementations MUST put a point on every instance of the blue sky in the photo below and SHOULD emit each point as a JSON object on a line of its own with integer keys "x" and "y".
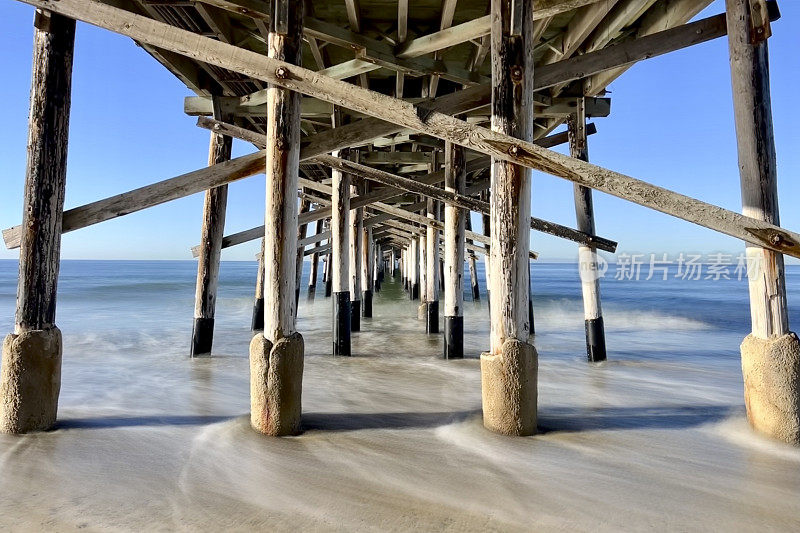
{"x": 671, "y": 124}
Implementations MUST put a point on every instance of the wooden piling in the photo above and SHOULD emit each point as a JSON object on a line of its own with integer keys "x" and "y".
{"x": 276, "y": 356}
{"x": 30, "y": 378}
{"x": 473, "y": 267}
{"x": 454, "y": 225}
{"x": 356, "y": 240}
{"x": 508, "y": 370}
{"x": 413, "y": 262}
{"x": 432, "y": 274}
{"x": 367, "y": 269}
{"x": 257, "y": 323}
{"x": 313, "y": 272}
{"x": 771, "y": 353}
{"x": 328, "y": 274}
{"x": 486, "y": 227}
{"x": 340, "y": 269}
{"x": 302, "y": 231}
{"x": 212, "y": 231}
{"x": 377, "y": 265}
{"x": 422, "y": 247}
{"x": 587, "y": 255}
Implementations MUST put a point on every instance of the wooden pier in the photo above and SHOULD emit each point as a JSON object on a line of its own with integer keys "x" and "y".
{"x": 383, "y": 127}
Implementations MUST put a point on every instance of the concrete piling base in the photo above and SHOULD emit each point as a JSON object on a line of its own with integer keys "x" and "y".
{"x": 276, "y": 384}
{"x": 422, "y": 311}
{"x": 771, "y": 370}
{"x": 509, "y": 388}
{"x": 30, "y": 380}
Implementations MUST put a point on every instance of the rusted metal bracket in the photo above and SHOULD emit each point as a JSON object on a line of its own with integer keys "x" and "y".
{"x": 41, "y": 20}
{"x": 759, "y": 20}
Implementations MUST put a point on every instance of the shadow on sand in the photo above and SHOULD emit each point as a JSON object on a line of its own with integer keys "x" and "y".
{"x": 551, "y": 419}
{"x": 105, "y": 422}
{"x": 569, "y": 419}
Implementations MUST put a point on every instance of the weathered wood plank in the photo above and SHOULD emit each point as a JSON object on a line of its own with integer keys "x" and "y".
{"x": 211, "y": 235}
{"x": 587, "y": 255}
{"x": 45, "y": 172}
{"x": 454, "y": 245}
{"x": 282, "y": 171}
{"x": 512, "y": 106}
{"x": 757, "y": 168}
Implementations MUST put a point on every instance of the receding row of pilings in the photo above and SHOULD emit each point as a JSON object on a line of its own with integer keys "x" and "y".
{"x": 31, "y": 366}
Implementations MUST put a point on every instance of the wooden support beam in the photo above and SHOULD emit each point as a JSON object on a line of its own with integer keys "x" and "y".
{"x": 445, "y": 38}
{"x": 432, "y": 270}
{"x": 302, "y": 230}
{"x": 325, "y": 248}
{"x": 758, "y": 169}
{"x": 257, "y": 323}
{"x": 30, "y": 379}
{"x": 587, "y": 255}
{"x": 382, "y": 54}
{"x": 402, "y": 21}
{"x": 413, "y": 269}
{"x": 509, "y": 369}
{"x": 421, "y": 118}
{"x": 423, "y": 270}
{"x": 631, "y": 51}
{"x": 353, "y": 14}
{"x": 473, "y": 267}
{"x": 367, "y": 268}
{"x": 45, "y": 173}
{"x": 276, "y": 356}
{"x": 395, "y": 158}
{"x": 355, "y": 282}
{"x": 585, "y": 20}
{"x": 340, "y": 239}
{"x": 211, "y": 235}
{"x": 313, "y": 271}
{"x": 663, "y": 15}
{"x": 454, "y": 244}
{"x": 771, "y": 353}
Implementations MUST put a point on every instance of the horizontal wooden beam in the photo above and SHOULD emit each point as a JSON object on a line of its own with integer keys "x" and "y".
{"x": 421, "y": 119}
{"x": 311, "y": 107}
{"x": 452, "y": 36}
{"x": 629, "y": 52}
{"x": 152, "y": 195}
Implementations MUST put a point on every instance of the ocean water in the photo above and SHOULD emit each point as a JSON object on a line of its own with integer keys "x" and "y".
{"x": 149, "y": 439}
